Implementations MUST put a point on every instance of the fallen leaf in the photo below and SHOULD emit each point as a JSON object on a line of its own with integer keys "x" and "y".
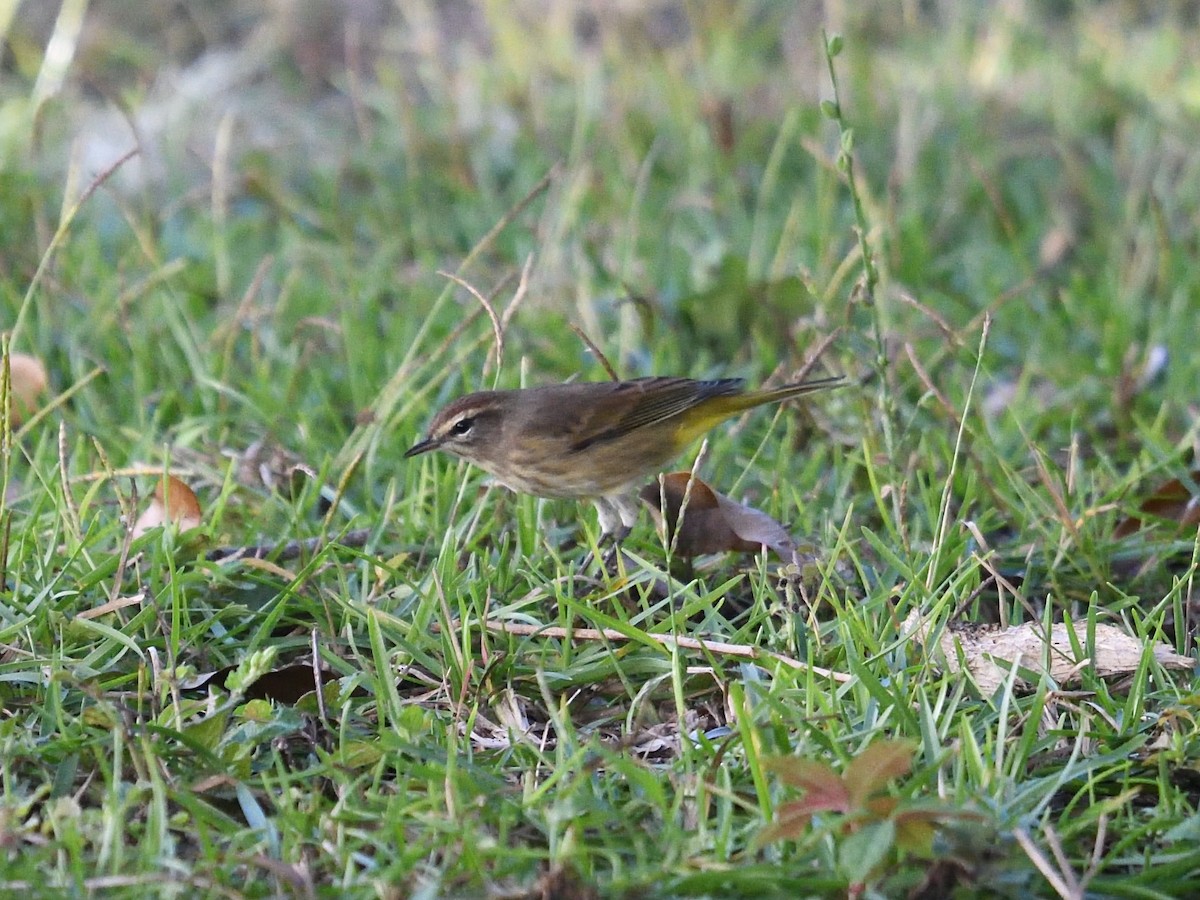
{"x": 285, "y": 685}
{"x": 173, "y": 501}
{"x": 1173, "y": 501}
{"x": 27, "y": 381}
{"x": 712, "y": 523}
{"x": 989, "y": 654}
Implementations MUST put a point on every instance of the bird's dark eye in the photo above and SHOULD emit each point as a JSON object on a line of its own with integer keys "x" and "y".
{"x": 462, "y": 426}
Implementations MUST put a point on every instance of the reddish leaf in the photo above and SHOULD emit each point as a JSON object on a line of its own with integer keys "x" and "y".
{"x": 824, "y": 790}
{"x": 790, "y": 823}
{"x": 802, "y": 774}
{"x": 872, "y": 769}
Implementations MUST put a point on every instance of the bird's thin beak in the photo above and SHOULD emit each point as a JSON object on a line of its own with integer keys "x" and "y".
{"x": 424, "y": 447}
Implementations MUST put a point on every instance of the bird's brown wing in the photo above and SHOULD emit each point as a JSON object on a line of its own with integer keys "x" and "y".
{"x": 645, "y": 401}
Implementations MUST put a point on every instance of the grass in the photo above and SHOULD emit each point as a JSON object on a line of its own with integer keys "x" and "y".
{"x": 264, "y": 276}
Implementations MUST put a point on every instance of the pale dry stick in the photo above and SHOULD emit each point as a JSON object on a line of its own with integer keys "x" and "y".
{"x": 228, "y": 330}
{"x": 128, "y": 515}
{"x": 816, "y": 353}
{"x": 497, "y": 329}
{"x": 57, "y": 402}
{"x": 743, "y": 651}
{"x": 1060, "y": 504}
{"x": 61, "y": 49}
{"x": 104, "y": 883}
{"x": 114, "y": 605}
{"x": 518, "y": 296}
{"x": 985, "y": 562}
{"x": 930, "y": 386}
{"x": 60, "y": 233}
{"x": 944, "y": 517}
{"x": 1073, "y": 466}
{"x": 131, "y": 472}
{"x": 596, "y": 352}
{"x": 163, "y": 273}
{"x": 444, "y": 606}
{"x": 316, "y": 667}
{"x": 943, "y": 326}
{"x": 1064, "y": 882}
{"x": 72, "y": 514}
{"x": 340, "y": 491}
{"x": 355, "y": 93}
{"x": 687, "y": 497}
{"x": 219, "y": 202}
{"x": 1097, "y": 850}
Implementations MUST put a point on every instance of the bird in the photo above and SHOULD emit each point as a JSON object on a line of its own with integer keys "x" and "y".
{"x": 597, "y": 440}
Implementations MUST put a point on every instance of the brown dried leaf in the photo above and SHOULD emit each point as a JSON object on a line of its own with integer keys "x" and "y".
{"x": 712, "y": 523}
{"x": 285, "y": 685}
{"x": 173, "y": 501}
{"x": 1173, "y": 501}
{"x": 989, "y": 654}
{"x": 28, "y": 381}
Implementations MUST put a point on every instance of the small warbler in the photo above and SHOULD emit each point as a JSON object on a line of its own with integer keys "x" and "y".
{"x": 595, "y": 441}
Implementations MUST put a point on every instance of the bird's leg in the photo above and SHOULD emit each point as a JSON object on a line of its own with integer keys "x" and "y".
{"x": 611, "y": 560}
{"x": 610, "y": 520}
{"x": 618, "y": 514}
{"x": 610, "y": 524}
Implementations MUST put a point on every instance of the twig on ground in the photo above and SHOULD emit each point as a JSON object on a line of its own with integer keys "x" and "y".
{"x": 745, "y": 651}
